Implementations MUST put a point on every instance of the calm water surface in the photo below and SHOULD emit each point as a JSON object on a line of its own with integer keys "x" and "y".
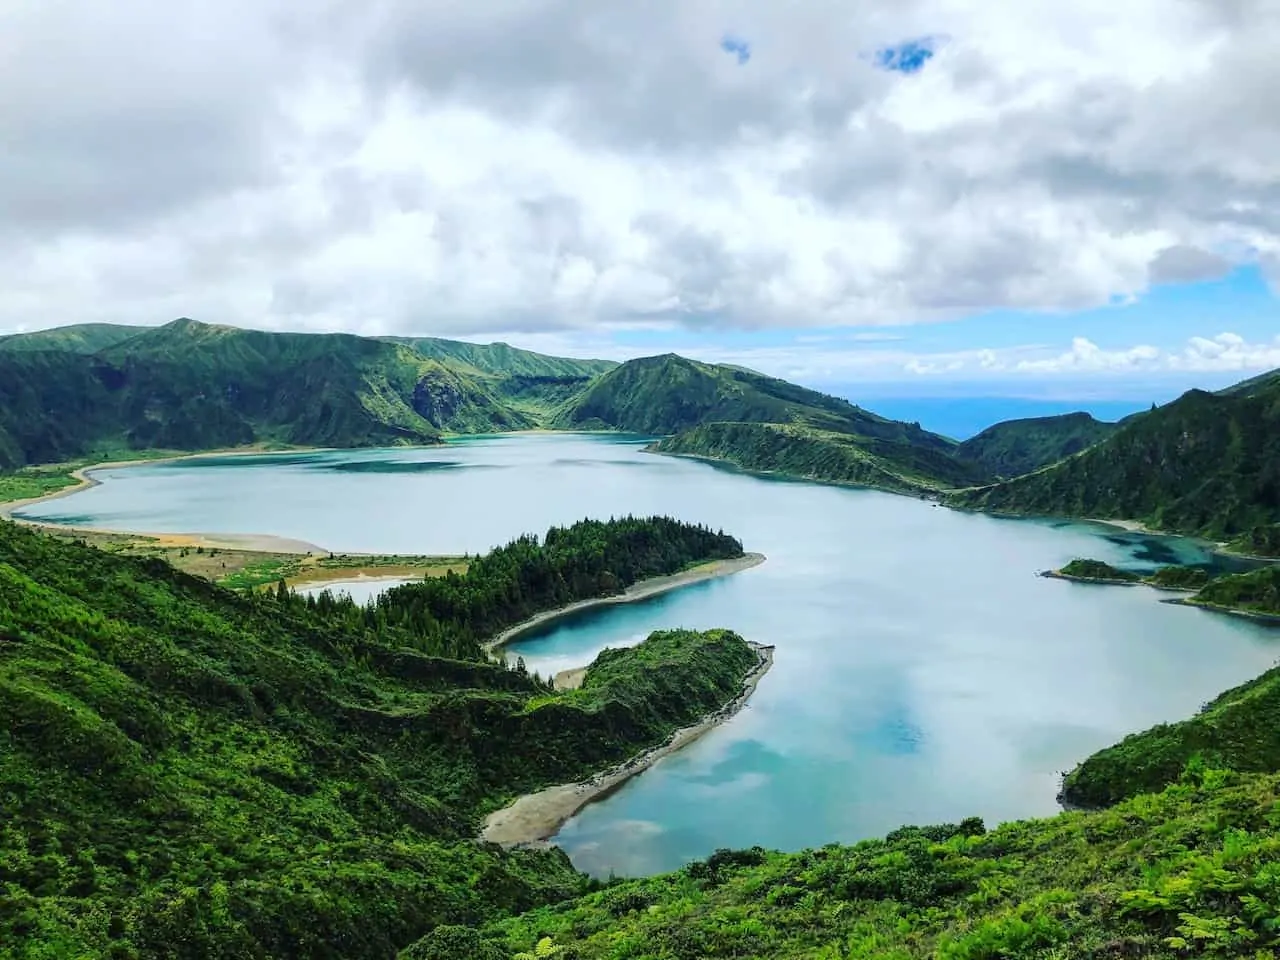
{"x": 923, "y": 672}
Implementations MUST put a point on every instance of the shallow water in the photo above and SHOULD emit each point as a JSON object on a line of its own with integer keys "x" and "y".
{"x": 923, "y": 671}
{"x": 361, "y": 590}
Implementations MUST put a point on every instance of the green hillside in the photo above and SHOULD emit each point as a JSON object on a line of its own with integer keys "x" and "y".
{"x": 194, "y": 386}
{"x": 1205, "y": 464}
{"x": 504, "y": 360}
{"x": 1257, "y": 591}
{"x": 191, "y": 772}
{"x": 825, "y": 455}
{"x": 77, "y": 338}
{"x": 762, "y": 423}
{"x": 667, "y": 394}
{"x": 1014, "y": 447}
{"x": 1190, "y": 872}
{"x": 1239, "y": 730}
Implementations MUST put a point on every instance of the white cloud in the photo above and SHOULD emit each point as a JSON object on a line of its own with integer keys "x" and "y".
{"x": 564, "y": 165}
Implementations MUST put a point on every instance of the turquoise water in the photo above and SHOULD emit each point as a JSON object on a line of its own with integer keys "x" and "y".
{"x": 923, "y": 671}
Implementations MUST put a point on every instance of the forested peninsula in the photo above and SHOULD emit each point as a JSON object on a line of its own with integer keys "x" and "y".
{"x": 188, "y": 770}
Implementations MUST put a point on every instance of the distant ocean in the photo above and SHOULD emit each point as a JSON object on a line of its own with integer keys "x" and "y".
{"x": 962, "y": 417}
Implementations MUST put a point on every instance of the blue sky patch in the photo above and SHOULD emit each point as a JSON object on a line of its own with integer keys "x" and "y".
{"x": 737, "y": 47}
{"x": 910, "y": 56}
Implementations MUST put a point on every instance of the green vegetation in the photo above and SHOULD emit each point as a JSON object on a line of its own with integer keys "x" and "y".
{"x": 667, "y": 394}
{"x": 1179, "y": 578}
{"x": 1257, "y": 591}
{"x": 31, "y": 483}
{"x": 1191, "y": 872}
{"x": 1205, "y": 464}
{"x": 1261, "y": 541}
{"x": 804, "y": 452}
{"x": 1097, "y": 570}
{"x": 503, "y": 360}
{"x": 188, "y": 771}
{"x": 1014, "y": 447}
{"x": 1239, "y": 730}
{"x": 76, "y": 338}
{"x": 299, "y": 570}
{"x": 761, "y": 423}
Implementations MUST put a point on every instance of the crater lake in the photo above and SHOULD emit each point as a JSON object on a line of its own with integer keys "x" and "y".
{"x": 923, "y": 671}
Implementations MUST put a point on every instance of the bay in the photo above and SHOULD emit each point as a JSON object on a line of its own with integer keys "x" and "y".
{"x": 923, "y": 672}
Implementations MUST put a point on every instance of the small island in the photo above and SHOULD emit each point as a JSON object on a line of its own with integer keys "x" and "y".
{"x": 1094, "y": 571}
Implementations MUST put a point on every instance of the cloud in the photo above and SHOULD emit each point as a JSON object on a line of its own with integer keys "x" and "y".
{"x": 546, "y": 166}
{"x": 1185, "y": 264}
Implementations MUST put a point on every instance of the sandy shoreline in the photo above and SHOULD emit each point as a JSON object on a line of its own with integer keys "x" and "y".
{"x": 259, "y": 542}
{"x": 637, "y": 591}
{"x": 1129, "y": 526}
{"x": 537, "y": 817}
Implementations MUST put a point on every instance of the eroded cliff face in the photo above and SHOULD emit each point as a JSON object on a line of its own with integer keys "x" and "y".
{"x": 436, "y": 400}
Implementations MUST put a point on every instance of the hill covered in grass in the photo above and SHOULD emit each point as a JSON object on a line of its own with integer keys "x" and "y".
{"x": 1189, "y": 872}
{"x": 1205, "y": 464}
{"x": 800, "y": 451}
{"x": 193, "y": 386}
{"x": 76, "y": 338}
{"x": 188, "y": 771}
{"x": 1239, "y": 730}
{"x": 762, "y": 423}
{"x": 1014, "y": 447}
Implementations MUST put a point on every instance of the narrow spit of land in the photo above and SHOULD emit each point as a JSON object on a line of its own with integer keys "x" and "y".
{"x": 535, "y": 818}
{"x": 237, "y": 560}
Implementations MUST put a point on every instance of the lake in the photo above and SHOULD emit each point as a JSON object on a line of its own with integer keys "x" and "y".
{"x": 923, "y": 672}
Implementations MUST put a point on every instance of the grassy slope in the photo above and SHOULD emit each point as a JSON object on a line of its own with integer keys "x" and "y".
{"x": 725, "y": 413}
{"x": 1206, "y": 464}
{"x": 192, "y": 386}
{"x": 504, "y": 360}
{"x": 1189, "y": 872}
{"x": 1239, "y": 729}
{"x": 824, "y": 455}
{"x": 1015, "y": 447}
{"x": 77, "y": 338}
{"x": 190, "y": 772}
{"x": 1257, "y": 591}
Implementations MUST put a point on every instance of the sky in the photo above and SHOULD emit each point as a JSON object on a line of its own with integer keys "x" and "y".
{"x": 933, "y": 198}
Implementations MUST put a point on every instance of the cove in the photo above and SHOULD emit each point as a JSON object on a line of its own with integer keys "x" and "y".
{"x": 923, "y": 672}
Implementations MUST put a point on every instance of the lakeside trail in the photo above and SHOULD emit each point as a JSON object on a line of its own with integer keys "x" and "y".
{"x": 535, "y": 818}
{"x": 637, "y": 591}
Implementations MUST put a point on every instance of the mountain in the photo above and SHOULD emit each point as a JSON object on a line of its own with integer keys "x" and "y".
{"x": 504, "y": 360}
{"x": 77, "y": 338}
{"x": 1014, "y": 447}
{"x": 191, "y": 386}
{"x": 762, "y": 423}
{"x": 1206, "y": 464}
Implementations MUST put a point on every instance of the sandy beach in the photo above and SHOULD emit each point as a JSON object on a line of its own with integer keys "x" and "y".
{"x": 536, "y": 817}
{"x": 1129, "y": 526}
{"x": 637, "y": 591}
